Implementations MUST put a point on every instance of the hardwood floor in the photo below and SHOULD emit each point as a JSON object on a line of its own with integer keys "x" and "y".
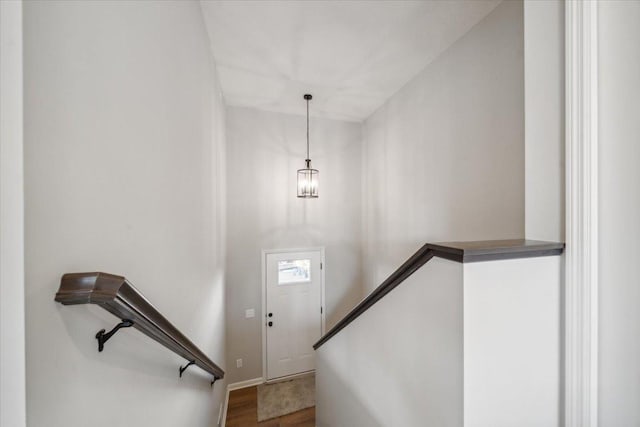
{"x": 243, "y": 412}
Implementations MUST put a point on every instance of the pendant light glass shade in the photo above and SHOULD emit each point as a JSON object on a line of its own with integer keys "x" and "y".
{"x": 308, "y": 182}
{"x": 308, "y": 178}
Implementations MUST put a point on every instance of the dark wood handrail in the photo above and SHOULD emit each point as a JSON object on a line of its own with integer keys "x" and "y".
{"x": 118, "y": 296}
{"x": 487, "y": 250}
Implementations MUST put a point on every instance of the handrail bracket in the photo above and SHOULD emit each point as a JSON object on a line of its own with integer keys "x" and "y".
{"x": 102, "y": 336}
{"x": 184, "y": 368}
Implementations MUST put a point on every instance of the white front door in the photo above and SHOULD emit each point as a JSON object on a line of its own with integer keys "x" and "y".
{"x": 293, "y": 317}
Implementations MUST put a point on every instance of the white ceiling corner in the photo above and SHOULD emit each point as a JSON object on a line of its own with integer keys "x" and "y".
{"x": 351, "y": 55}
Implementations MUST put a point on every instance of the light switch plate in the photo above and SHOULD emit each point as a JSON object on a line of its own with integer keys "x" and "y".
{"x": 249, "y": 313}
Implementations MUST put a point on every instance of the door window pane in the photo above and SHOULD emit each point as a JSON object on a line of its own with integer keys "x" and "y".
{"x": 294, "y": 271}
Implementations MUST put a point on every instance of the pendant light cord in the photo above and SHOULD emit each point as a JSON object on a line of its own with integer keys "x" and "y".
{"x": 308, "y": 129}
{"x": 308, "y": 97}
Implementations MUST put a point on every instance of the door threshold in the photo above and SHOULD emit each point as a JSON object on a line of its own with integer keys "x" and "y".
{"x": 290, "y": 377}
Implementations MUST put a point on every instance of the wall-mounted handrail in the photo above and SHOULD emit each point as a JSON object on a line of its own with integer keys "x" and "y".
{"x": 487, "y": 250}
{"x": 118, "y": 296}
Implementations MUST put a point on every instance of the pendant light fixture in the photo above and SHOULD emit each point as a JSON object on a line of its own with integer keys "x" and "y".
{"x": 308, "y": 177}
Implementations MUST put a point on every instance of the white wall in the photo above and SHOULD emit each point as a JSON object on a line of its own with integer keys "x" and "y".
{"x": 12, "y": 341}
{"x": 124, "y": 155}
{"x": 264, "y": 151}
{"x": 619, "y": 211}
{"x": 400, "y": 364}
{"x": 444, "y": 157}
{"x": 544, "y": 119}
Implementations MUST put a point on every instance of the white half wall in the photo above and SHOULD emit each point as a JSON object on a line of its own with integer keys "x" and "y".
{"x": 619, "y": 212}
{"x": 513, "y": 342}
{"x": 12, "y": 325}
{"x": 400, "y": 364}
{"x": 544, "y": 119}
{"x": 443, "y": 159}
{"x": 454, "y": 345}
{"x": 264, "y": 151}
{"x": 124, "y": 173}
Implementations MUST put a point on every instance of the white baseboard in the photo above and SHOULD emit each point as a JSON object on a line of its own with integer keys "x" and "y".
{"x": 224, "y": 412}
{"x": 238, "y": 386}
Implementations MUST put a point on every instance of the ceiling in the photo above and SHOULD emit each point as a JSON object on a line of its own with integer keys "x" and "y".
{"x": 351, "y": 55}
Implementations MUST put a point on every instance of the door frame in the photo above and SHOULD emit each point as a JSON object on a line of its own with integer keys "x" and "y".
{"x": 581, "y": 255}
{"x": 263, "y": 315}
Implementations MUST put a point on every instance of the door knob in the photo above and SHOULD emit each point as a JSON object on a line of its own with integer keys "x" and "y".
{"x": 270, "y": 324}
{"x": 270, "y": 314}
